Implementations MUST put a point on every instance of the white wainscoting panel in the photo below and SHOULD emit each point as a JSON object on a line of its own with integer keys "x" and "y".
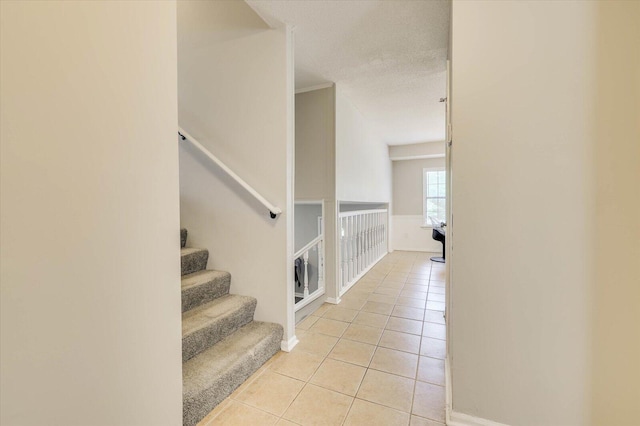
{"x": 407, "y": 233}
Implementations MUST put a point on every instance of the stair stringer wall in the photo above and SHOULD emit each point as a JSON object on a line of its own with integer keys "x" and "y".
{"x": 235, "y": 94}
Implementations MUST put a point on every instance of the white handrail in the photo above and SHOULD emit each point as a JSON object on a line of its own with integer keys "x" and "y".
{"x": 359, "y": 212}
{"x": 309, "y": 246}
{"x": 273, "y": 210}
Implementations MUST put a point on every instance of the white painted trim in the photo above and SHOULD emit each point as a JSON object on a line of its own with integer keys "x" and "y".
{"x": 438, "y": 253}
{"x": 288, "y": 345}
{"x": 309, "y": 202}
{"x": 290, "y": 339}
{"x": 453, "y": 418}
{"x": 417, "y": 157}
{"x": 414, "y": 143}
{"x": 447, "y": 389}
{"x": 358, "y": 212}
{"x": 315, "y": 87}
{"x": 459, "y": 419}
{"x": 309, "y": 246}
{"x": 424, "y": 189}
{"x": 333, "y": 301}
{"x": 310, "y": 298}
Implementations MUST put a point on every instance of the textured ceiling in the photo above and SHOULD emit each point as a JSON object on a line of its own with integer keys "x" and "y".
{"x": 388, "y": 57}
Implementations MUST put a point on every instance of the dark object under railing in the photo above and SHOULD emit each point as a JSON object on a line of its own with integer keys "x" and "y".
{"x": 439, "y": 234}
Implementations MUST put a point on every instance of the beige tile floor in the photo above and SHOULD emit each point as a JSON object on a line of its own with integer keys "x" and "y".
{"x": 377, "y": 358}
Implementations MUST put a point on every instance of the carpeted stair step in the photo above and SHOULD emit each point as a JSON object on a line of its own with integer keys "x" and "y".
{"x": 193, "y": 260}
{"x": 203, "y": 286}
{"x": 183, "y": 237}
{"x": 215, "y": 373}
{"x": 207, "y": 324}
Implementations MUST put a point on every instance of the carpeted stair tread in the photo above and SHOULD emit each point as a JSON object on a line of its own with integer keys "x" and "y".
{"x": 203, "y": 286}
{"x": 214, "y": 374}
{"x": 207, "y": 324}
{"x": 183, "y": 237}
{"x": 193, "y": 260}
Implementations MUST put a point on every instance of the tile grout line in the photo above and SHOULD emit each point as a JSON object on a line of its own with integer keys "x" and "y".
{"x": 369, "y": 290}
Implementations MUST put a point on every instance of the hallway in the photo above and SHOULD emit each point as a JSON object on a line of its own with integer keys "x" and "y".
{"x": 376, "y": 358}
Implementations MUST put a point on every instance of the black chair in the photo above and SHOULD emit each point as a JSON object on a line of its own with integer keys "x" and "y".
{"x": 439, "y": 234}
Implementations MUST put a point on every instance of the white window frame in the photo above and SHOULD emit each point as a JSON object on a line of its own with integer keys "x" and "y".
{"x": 425, "y": 219}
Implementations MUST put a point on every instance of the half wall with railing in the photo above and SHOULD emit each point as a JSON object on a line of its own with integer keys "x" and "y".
{"x": 308, "y": 260}
{"x": 362, "y": 243}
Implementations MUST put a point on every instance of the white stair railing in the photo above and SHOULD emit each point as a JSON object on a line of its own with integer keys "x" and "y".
{"x": 315, "y": 244}
{"x": 363, "y": 241}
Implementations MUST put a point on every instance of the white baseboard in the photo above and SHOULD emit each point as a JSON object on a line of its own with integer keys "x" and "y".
{"x": 453, "y": 418}
{"x": 447, "y": 389}
{"x": 308, "y": 300}
{"x": 459, "y": 419}
{"x": 437, "y": 253}
{"x": 288, "y": 345}
{"x": 333, "y": 300}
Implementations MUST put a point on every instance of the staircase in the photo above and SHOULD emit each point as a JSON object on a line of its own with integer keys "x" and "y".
{"x": 221, "y": 343}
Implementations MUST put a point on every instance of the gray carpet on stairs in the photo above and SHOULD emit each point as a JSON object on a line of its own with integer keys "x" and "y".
{"x": 193, "y": 260}
{"x": 203, "y": 286}
{"x": 221, "y": 344}
{"x": 207, "y": 324}
{"x": 211, "y": 376}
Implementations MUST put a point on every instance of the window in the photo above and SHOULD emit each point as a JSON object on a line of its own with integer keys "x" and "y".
{"x": 434, "y": 195}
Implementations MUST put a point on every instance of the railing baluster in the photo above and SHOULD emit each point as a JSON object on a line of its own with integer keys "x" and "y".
{"x": 321, "y": 264}
{"x": 363, "y": 236}
{"x": 305, "y": 257}
{"x": 365, "y": 239}
{"x": 345, "y": 257}
{"x": 357, "y": 245}
{"x": 342, "y": 253}
{"x": 350, "y": 245}
{"x": 369, "y": 259}
{"x": 378, "y": 234}
{"x": 363, "y": 259}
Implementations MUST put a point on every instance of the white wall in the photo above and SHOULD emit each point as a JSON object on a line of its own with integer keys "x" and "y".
{"x": 306, "y": 223}
{"x": 315, "y": 168}
{"x": 544, "y": 320}
{"x": 417, "y": 150}
{"x": 316, "y": 144}
{"x": 363, "y": 168}
{"x": 235, "y": 90}
{"x": 408, "y": 231}
{"x": 90, "y": 271}
{"x": 408, "y": 181}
